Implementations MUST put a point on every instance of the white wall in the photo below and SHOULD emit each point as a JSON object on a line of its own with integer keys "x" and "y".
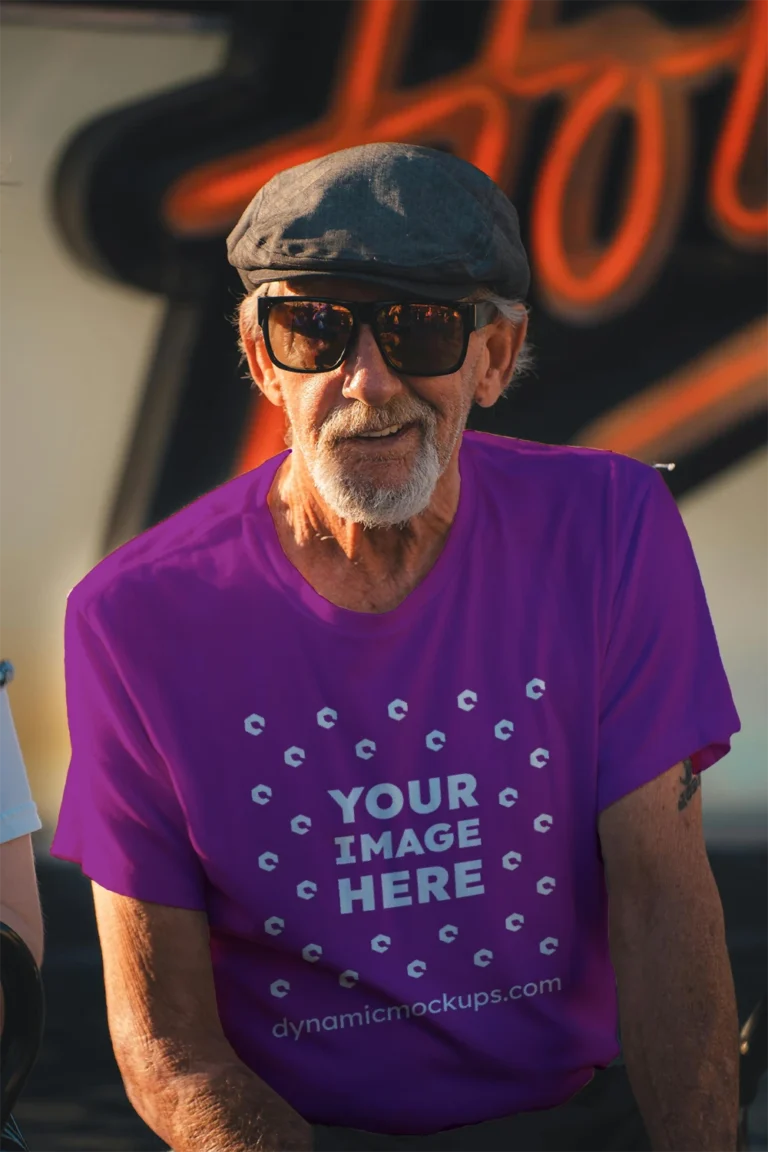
{"x": 73, "y": 352}
{"x": 727, "y": 520}
{"x": 73, "y": 357}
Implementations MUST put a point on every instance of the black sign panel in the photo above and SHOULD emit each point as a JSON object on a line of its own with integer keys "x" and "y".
{"x": 631, "y": 137}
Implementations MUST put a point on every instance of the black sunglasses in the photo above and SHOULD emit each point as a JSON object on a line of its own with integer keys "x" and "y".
{"x": 313, "y": 334}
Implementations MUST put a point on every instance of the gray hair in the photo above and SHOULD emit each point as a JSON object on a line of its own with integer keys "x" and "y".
{"x": 248, "y": 314}
{"x": 513, "y": 311}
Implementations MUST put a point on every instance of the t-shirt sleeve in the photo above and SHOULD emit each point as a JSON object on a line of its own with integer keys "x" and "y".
{"x": 121, "y": 819}
{"x": 18, "y": 811}
{"x": 664, "y": 695}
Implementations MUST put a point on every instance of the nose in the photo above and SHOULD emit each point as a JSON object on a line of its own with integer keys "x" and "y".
{"x": 368, "y": 379}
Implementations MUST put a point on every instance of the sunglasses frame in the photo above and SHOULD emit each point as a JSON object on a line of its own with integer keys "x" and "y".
{"x": 474, "y": 316}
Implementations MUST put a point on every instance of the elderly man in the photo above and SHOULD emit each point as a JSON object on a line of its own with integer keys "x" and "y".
{"x": 376, "y": 748}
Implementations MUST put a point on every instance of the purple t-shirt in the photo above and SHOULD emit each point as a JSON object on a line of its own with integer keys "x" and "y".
{"x": 391, "y": 820}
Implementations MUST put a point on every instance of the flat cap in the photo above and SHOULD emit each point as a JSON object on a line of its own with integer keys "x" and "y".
{"x": 416, "y": 219}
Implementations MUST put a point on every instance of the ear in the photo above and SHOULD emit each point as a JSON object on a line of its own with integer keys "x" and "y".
{"x": 502, "y": 347}
{"x": 259, "y": 364}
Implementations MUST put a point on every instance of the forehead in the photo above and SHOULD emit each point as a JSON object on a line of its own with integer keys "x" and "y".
{"x": 338, "y": 288}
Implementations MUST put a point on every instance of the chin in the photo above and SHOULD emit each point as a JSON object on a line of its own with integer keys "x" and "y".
{"x": 376, "y": 519}
{"x": 377, "y": 493}
{"x": 372, "y": 505}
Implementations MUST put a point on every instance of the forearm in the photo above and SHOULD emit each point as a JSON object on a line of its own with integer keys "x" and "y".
{"x": 218, "y": 1107}
{"x": 679, "y": 1025}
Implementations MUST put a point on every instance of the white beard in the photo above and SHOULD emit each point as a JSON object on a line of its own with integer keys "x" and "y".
{"x": 362, "y": 502}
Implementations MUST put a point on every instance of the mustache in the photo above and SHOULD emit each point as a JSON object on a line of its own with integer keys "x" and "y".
{"x": 358, "y": 419}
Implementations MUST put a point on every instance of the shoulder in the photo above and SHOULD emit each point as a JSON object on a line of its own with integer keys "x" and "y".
{"x": 189, "y": 546}
{"x": 560, "y": 468}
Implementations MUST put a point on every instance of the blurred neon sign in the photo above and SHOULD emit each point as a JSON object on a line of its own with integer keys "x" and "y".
{"x": 619, "y": 60}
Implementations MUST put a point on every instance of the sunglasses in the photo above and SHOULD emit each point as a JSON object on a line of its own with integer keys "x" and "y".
{"x": 315, "y": 335}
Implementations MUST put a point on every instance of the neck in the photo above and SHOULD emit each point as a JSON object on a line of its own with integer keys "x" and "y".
{"x": 368, "y": 569}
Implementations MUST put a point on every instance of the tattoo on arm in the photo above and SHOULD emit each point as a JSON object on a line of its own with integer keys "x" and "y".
{"x": 690, "y": 783}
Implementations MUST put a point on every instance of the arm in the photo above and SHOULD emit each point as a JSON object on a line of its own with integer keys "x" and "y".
{"x": 676, "y": 998}
{"x": 19, "y": 898}
{"x": 180, "y": 1073}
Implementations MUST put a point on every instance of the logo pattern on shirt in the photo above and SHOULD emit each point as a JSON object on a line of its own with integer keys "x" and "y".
{"x": 384, "y": 801}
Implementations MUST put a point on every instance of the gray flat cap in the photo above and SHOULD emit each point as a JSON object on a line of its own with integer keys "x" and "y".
{"x": 415, "y": 219}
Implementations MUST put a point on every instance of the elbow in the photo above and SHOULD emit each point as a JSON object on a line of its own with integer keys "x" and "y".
{"x": 161, "y": 1080}
{"x": 28, "y": 923}
{"x": 147, "y": 1086}
{"x": 143, "y": 1098}
{"x": 673, "y": 924}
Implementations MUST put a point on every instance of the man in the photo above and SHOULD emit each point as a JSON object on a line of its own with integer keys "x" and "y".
{"x": 359, "y": 737}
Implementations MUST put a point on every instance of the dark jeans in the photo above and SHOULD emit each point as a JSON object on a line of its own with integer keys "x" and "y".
{"x": 603, "y": 1117}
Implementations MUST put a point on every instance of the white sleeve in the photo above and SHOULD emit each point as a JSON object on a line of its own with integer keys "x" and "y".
{"x": 18, "y": 811}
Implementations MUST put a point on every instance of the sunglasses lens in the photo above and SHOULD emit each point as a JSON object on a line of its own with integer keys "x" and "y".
{"x": 421, "y": 339}
{"x": 309, "y": 336}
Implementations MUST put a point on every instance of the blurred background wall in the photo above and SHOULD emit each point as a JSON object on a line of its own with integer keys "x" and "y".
{"x": 76, "y": 347}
